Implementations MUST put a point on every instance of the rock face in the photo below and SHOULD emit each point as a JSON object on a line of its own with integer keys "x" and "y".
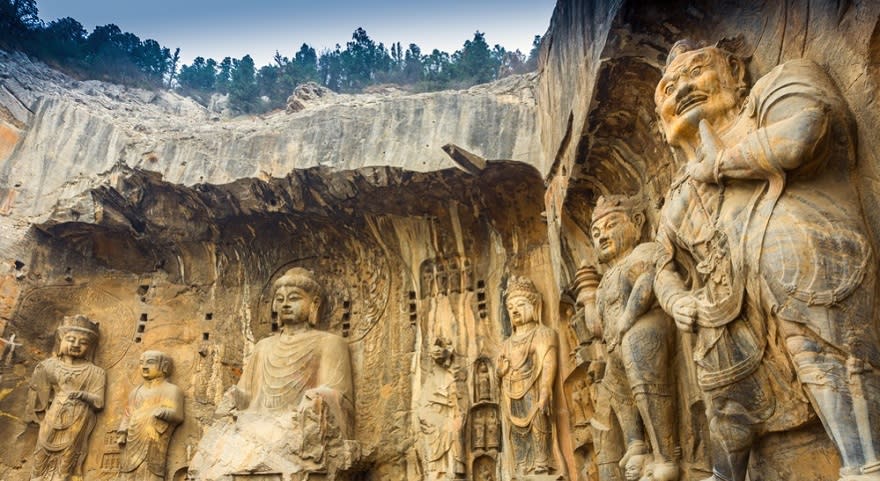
{"x": 167, "y": 225}
{"x": 106, "y": 125}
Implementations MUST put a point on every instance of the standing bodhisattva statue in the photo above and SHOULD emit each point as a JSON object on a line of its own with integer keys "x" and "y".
{"x": 767, "y": 258}
{"x": 639, "y": 338}
{"x": 154, "y": 409}
{"x": 527, "y": 368}
{"x": 67, "y": 392}
{"x": 292, "y": 411}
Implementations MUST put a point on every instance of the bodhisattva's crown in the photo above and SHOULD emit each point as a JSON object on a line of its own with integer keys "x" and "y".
{"x": 521, "y": 286}
{"x": 628, "y": 204}
{"x": 79, "y": 323}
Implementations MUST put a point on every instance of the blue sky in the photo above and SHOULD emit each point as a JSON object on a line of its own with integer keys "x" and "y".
{"x": 219, "y": 28}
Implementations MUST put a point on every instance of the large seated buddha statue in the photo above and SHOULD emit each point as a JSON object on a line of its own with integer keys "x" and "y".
{"x": 291, "y": 412}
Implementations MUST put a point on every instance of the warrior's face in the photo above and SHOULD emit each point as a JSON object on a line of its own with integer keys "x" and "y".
{"x": 521, "y": 310}
{"x": 293, "y": 304}
{"x": 614, "y": 236}
{"x": 75, "y": 344}
{"x": 697, "y": 85}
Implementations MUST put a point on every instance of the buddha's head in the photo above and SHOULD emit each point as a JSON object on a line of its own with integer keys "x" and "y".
{"x": 297, "y": 297}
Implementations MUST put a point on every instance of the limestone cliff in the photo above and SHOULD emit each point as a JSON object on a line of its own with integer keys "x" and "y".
{"x": 78, "y": 130}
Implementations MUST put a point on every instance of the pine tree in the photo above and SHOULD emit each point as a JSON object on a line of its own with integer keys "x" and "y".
{"x": 198, "y": 78}
{"x": 64, "y": 41}
{"x": 532, "y": 62}
{"x": 413, "y": 69}
{"x": 224, "y": 75}
{"x": 475, "y": 63}
{"x": 19, "y": 20}
{"x": 243, "y": 90}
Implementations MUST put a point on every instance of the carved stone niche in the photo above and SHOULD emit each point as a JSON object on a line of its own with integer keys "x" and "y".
{"x": 111, "y": 456}
{"x": 445, "y": 276}
{"x": 485, "y": 468}
{"x": 484, "y": 417}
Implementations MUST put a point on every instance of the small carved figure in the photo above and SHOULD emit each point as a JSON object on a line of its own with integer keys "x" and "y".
{"x": 638, "y": 335}
{"x": 154, "y": 409}
{"x": 442, "y": 276}
{"x": 291, "y": 411}
{"x": 484, "y": 383}
{"x": 454, "y": 274}
{"x": 467, "y": 275}
{"x": 484, "y": 469}
{"x": 493, "y": 436}
{"x": 427, "y": 284}
{"x": 764, "y": 240}
{"x": 479, "y": 426}
{"x": 579, "y": 401}
{"x": 67, "y": 392}
{"x": 527, "y": 369}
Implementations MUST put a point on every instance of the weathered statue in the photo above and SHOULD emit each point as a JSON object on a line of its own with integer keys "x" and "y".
{"x": 441, "y": 418}
{"x": 527, "y": 368}
{"x": 442, "y": 398}
{"x": 291, "y": 412}
{"x": 766, "y": 254}
{"x": 154, "y": 409}
{"x": 639, "y": 338}
{"x": 67, "y": 392}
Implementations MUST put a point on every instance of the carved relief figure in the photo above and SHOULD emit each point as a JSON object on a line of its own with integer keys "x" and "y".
{"x": 484, "y": 412}
{"x": 442, "y": 276}
{"x": 427, "y": 280}
{"x": 484, "y": 383}
{"x": 467, "y": 275}
{"x": 527, "y": 369}
{"x": 579, "y": 403}
{"x": 454, "y": 275}
{"x": 764, "y": 241}
{"x": 484, "y": 469}
{"x": 291, "y": 411}
{"x": 485, "y": 430}
{"x": 154, "y": 409}
{"x": 301, "y": 362}
{"x": 67, "y": 392}
{"x": 639, "y": 338}
{"x": 440, "y": 418}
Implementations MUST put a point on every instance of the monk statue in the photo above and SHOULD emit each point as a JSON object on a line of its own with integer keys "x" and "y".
{"x": 527, "y": 369}
{"x": 67, "y": 391}
{"x": 766, "y": 257}
{"x": 291, "y": 412}
{"x": 440, "y": 416}
{"x": 639, "y": 338}
{"x": 154, "y": 409}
